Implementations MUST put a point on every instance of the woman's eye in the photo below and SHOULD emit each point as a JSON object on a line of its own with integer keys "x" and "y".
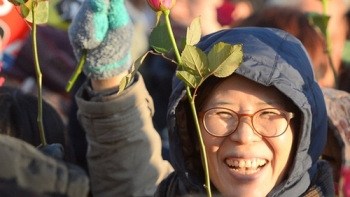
{"x": 270, "y": 114}
{"x": 224, "y": 114}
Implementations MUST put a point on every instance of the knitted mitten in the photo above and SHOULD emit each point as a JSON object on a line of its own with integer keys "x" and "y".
{"x": 104, "y": 29}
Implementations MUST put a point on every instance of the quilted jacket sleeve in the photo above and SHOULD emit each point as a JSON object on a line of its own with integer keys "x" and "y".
{"x": 124, "y": 149}
{"x": 25, "y": 166}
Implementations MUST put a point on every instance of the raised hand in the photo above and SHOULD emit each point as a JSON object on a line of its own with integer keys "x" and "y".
{"x": 103, "y": 28}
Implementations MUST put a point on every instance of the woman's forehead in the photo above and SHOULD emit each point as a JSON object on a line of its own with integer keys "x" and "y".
{"x": 236, "y": 89}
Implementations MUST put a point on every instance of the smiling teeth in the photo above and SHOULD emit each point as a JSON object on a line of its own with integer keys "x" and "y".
{"x": 252, "y": 163}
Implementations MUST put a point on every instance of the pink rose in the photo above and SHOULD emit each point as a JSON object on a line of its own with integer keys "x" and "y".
{"x": 161, "y": 5}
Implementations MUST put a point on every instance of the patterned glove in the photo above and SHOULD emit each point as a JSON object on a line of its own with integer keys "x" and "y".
{"x": 103, "y": 28}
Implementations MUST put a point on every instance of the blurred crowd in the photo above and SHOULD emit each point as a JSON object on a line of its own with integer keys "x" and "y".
{"x": 330, "y": 55}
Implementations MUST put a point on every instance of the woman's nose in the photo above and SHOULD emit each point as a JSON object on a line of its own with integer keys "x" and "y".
{"x": 245, "y": 132}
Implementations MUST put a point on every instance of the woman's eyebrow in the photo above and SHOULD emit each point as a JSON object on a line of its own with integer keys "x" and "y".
{"x": 270, "y": 102}
{"x": 273, "y": 102}
{"x": 223, "y": 103}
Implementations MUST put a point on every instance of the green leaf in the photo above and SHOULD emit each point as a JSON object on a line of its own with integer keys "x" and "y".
{"x": 346, "y": 53}
{"x": 320, "y": 21}
{"x": 17, "y": 2}
{"x": 41, "y": 13}
{"x": 24, "y": 10}
{"x": 224, "y": 59}
{"x": 183, "y": 42}
{"x": 193, "y": 69}
{"x": 194, "y": 32}
{"x": 195, "y": 61}
{"x": 191, "y": 80}
{"x": 159, "y": 39}
{"x": 125, "y": 82}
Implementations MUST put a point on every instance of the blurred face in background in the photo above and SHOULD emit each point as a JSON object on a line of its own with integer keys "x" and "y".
{"x": 337, "y": 26}
{"x": 185, "y": 11}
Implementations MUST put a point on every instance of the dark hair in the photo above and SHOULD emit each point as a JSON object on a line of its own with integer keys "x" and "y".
{"x": 344, "y": 73}
{"x": 2, "y": 32}
{"x": 18, "y": 118}
{"x": 296, "y": 23}
{"x": 187, "y": 129}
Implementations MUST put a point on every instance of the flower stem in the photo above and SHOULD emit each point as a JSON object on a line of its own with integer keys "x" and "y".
{"x": 192, "y": 104}
{"x": 201, "y": 142}
{"x": 39, "y": 80}
{"x": 76, "y": 72}
{"x": 171, "y": 34}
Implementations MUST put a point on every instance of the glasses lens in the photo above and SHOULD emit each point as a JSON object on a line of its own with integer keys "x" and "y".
{"x": 220, "y": 122}
{"x": 270, "y": 122}
{"x": 267, "y": 122}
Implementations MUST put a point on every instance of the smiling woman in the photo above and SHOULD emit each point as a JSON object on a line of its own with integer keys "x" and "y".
{"x": 245, "y": 157}
{"x": 256, "y": 147}
{"x": 263, "y": 127}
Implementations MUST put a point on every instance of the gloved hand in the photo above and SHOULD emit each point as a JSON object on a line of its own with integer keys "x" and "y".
{"x": 53, "y": 150}
{"x": 104, "y": 29}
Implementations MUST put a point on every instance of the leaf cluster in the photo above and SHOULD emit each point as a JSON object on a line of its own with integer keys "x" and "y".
{"x": 195, "y": 65}
{"x": 40, "y": 7}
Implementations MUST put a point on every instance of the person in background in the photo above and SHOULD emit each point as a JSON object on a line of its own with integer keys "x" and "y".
{"x": 338, "y": 28}
{"x": 26, "y": 170}
{"x": 264, "y": 126}
{"x": 55, "y": 54}
{"x": 185, "y": 11}
{"x": 297, "y": 23}
{"x": 233, "y": 11}
{"x": 18, "y": 118}
{"x": 344, "y": 79}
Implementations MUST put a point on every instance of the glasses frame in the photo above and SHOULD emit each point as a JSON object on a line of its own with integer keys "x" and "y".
{"x": 289, "y": 116}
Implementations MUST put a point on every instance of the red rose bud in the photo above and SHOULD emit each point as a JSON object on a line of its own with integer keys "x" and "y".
{"x": 161, "y": 5}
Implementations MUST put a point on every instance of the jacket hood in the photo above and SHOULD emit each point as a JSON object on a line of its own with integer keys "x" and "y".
{"x": 272, "y": 58}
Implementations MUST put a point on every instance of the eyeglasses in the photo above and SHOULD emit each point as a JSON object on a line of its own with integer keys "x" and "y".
{"x": 269, "y": 122}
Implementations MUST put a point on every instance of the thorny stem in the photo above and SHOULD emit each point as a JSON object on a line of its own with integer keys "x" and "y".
{"x": 193, "y": 107}
{"x": 39, "y": 80}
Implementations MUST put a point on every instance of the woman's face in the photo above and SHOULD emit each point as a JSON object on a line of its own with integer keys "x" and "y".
{"x": 269, "y": 158}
